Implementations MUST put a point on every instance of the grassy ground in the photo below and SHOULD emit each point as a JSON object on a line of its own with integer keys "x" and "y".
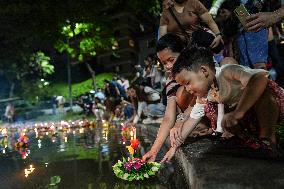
{"x": 67, "y": 116}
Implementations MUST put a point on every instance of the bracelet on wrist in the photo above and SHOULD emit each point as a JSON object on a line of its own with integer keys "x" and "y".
{"x": 181, "y": 117}
{"x": 217, "y": 34}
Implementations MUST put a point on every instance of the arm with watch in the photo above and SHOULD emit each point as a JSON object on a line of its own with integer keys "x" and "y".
{"x": 178, "y": 133}
{"x": 207, "y": 18}
{"x": 175, "y": 133}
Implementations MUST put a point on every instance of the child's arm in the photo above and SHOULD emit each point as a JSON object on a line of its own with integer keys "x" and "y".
{"x": 255, "y": 85}
{"x": 195, "y": 113}
{"x": 187, "y": 128}
{"x": 190, "y": 125}
{"x": 177, "y": 129}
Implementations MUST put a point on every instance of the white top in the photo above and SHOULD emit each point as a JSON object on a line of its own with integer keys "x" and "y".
{"x": 124, "y": 83}
{"x": 155, "y": 74}
{"x": 141, "y": 106}
{"x": 214, "y": 9}
{"x": 152, "y": 94}
{"x": 60, "y": 99}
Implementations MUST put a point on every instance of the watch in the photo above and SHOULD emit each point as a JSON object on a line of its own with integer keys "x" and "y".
{"x": 180, "y": 117}
{"x": 219, "y": 34}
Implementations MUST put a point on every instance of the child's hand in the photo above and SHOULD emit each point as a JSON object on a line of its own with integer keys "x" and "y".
{"x": 150, "y": 156}
{"x": 175, "y": 134}
{"x": 230, "y": 119}
{"x": 169, "y": 155}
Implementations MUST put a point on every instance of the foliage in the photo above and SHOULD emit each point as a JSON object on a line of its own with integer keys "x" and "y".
{"x": 67, "y": 116}
{"x": 31, "y": 26}
{"x": 78, "y": 88}
{"x": 82, "y": 40}
{"x": 39, "y": 64}
{"x": 32, "y": 76}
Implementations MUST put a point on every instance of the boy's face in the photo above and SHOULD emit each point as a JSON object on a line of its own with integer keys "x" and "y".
{"x": 167, "y": 57}
{"x": 196, "y": 83}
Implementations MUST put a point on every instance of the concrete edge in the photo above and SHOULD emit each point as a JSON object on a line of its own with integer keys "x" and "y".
{"x": 188, "y": 169}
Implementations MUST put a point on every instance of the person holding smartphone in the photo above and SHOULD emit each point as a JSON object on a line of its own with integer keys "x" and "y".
{"x": 252, "y": 46}
{"x": 256, "y": 22}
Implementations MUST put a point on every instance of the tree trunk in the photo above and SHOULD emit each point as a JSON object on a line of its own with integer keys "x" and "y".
{"x": 11, "y": 93}
{"x": 93, "y": 74}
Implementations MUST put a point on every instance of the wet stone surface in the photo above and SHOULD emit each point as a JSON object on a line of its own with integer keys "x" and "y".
{"x": 210, "y": 165}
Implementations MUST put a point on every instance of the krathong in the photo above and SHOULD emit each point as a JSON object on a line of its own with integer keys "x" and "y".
{"x": 134, "y": 168}
{"x": 22, "y": 142}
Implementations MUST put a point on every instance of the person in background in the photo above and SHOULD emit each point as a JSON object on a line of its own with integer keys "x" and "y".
{"x": 60, "y": 104}
{"x": 190, "y": 14}
{"x": 138, "y": 75}
{"x": 229, "y": 26}
{"x": 9, "y": 112}
{"x": 54, "y": 104}
{"x": 113, "y": 94}
{"x": 149, "y": 61}
{"x": 156, "y": 75}
{"x": 261, "y": 20}
{"x": 123, "y": 82}
{"x": 99, "y": 94}
{"x": 215, "y": 7}
{"x": 98, "y": 109}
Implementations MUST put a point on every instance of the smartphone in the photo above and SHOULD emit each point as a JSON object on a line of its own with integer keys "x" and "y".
{"x": 241, "y": 12}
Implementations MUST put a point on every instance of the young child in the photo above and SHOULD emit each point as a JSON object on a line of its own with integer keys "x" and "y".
{"x": 253, "y": 103}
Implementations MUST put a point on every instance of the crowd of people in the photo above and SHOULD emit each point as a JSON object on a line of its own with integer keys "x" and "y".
{"x": 212, "y": 74}
{"x": 221, "y": 86}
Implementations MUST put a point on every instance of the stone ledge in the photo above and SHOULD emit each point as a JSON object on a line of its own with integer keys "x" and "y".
{"x": 206, "y": 165}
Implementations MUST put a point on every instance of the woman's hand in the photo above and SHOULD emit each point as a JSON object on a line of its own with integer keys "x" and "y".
{"x": 230, "y": 119}
{"x": 150, "y": 156}
{"x": 216, "y": 41}
{"x": 175, "y": 134}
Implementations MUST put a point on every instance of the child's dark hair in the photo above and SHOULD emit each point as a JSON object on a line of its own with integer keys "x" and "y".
{"x": 192, "y": 58}
{"x": 170, "y": 41}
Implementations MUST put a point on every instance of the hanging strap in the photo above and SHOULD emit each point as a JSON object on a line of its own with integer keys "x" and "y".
{"x": 179, "y": 24}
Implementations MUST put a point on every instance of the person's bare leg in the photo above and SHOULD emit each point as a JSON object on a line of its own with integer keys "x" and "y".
{"x": 260, "y": 65}
{"x": 267, "y": 112}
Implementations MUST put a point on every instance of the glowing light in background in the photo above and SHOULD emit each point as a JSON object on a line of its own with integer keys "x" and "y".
{"x": 39, "y": 143}
{"x": 29, "y": 170}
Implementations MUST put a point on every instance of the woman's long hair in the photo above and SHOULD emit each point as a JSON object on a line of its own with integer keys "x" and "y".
{"x": 140, "y": 96}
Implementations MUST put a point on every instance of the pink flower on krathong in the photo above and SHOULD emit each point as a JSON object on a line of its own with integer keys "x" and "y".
{"x": 137, "y": 166}
{"x": 135, "y": 163}
{"x": 128, "y": 166}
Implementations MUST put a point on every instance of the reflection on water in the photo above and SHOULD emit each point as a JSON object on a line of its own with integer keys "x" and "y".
{"x": 71, "y": 156}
